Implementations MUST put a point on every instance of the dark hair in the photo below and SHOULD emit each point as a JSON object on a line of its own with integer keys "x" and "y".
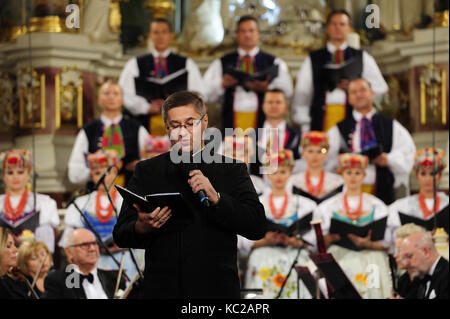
{"x": 183, "y": 98}
{"x": 276, "y": 90}
{"x": 245, "y": 19}
{"x": 336, "y": 12}
{"x": 161, "y": 20}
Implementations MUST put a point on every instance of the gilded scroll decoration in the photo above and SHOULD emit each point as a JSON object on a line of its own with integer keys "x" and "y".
{"x": 433, "y": 94}
{"x": 69, "y": 97}
{"x": 31, "y": 91}
{"x": 8, "y": 112}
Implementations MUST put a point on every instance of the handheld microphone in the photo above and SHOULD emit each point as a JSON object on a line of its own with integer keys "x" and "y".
{"x": 203, "y": 198}
{"x": 102, "y": 179}
{"x": 189, "y": 167}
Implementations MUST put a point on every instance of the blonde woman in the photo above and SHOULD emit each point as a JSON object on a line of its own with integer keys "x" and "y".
{"x": 34, "y": 260}
{"x": 365, "y": 261}
{"x": 19, "y": 211}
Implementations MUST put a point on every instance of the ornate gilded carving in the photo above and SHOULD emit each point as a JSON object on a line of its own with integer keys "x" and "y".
{"x": 433, "y": 86}
{"x": 115, "y": 17}
{"x": 8, "y": 112}
{"x": 31, "y": 90}
{"x": 160, "y": 8}
{"x": 69, "y": 97}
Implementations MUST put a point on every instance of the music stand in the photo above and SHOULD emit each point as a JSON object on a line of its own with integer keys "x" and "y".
{"x": 309, "y": 280}
{"x": 342, "y": 286}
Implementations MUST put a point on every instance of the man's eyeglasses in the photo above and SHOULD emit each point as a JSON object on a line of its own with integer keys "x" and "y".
{"x": 86, "y": 245}
{"x": 188, "y": 125}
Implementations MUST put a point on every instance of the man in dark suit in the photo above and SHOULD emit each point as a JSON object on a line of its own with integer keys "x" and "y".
{"x": 420, "y": 256}
{"x": 191, "y": 252}
{"x": 81, "y": 278}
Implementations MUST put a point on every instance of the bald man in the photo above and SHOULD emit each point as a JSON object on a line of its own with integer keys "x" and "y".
{"x": 81, "y": 278}
{"x": 419, "y": 256}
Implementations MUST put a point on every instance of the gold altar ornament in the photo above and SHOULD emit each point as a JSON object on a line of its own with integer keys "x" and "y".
{"x": 433, "y": 83}
{"x": 159, "y": 8}
{"x": 31, "y": 98}
{"x": 69, "y": 97}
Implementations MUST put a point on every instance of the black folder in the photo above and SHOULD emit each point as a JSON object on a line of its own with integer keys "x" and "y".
{"x": 373, "y": 152}
{"x": 442, "y": 219}
{"x": 378, "y": 228}
{"x": 335, "y": 73}
{"x": 300, "y": 226}
{"x": 318, "y": 200}
{"x": 153, "y": 88}
{"x": 149, "y": 203}
{"x": 270, "y": 73}
{"x": 343, "y": 288}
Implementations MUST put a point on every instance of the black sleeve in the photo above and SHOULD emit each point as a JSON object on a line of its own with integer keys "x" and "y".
{"x": 124, "y": 232}
{"x": 241, "y": 211}
{"x": 52, "y": 287}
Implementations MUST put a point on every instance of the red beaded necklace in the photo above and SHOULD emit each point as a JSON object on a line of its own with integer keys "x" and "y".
{"x": 315, "y": 190}
{"x": 11, "y": 213}
{"x": 275, "y": 213}
{"x": 356, "y": 214}
{"x": 98, "y": 208}
{"x": 423, "y": 206}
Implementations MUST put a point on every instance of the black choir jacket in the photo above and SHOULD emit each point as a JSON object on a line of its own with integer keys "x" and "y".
{"x": 56, "y": 288}
{"x": 194, "y": 255}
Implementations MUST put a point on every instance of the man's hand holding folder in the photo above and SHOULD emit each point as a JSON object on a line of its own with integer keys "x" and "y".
{"x": 155, "y": 220}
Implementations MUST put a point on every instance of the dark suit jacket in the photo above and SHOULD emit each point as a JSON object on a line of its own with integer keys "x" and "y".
{"x": 439, "y": 280}
{"x": 406, "y": 288}
{"x": 55, "y": 285}
{"x": 194, "y": 255}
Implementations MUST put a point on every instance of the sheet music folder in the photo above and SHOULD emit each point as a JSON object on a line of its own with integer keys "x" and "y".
{"x": 335, "y": 73}
{"x": 300, "y": 226}
{"x": 442, "y": 220}
{"x": 342, "y": 286}
{"x": 318, "y": 200}
{"x": 149, "y": 203}
{"x": 378, "y": 228}
{"x": 154, "y": 88}
{"x": 270, "y": 73}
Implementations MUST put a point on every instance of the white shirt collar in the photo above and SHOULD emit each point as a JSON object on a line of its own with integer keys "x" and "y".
{"x": 358, "y": 116}
{"x": 433, "y": 268}
{"x": 251, "y": 53}
{"x": 107, "y": 122}
{"x": 331, "y": 48}
{"x": 281, "y": 126}
{"x": 164, "y": 55}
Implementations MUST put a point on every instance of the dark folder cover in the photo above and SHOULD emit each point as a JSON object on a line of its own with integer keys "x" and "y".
{"x": 442, "y": 220}
{"x": 378, "y": 228}
{"x": 335, "y": 73}
{"x": 149, "y": 203}
{"x": 373, "y": 152}
{"x": 343, "y": 288}
{"x": 318, "y": 200}
{"x": 300, "y": 226}
{"x": 270, "y": 73}
{"x": 153, "y": 88}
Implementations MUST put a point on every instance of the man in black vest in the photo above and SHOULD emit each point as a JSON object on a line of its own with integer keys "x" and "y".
{"x": 319, "y": 103}
{"x": 81, "y": 279}
{"x": 191, "y": 252}
{"x": 385, "y": 141}
{"x": 112, "y": 131}
{"x": 242, "y": 103}
{"x": 160, "y": 63}
{"x": 420, "y": 256}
